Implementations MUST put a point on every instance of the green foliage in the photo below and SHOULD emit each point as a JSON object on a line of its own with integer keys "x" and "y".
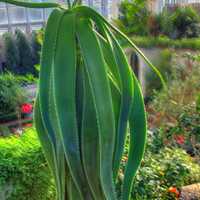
{"x": 11, "y": 53}
{"x": 36, "y": 47}
{"x": 133, "y": 17}
{"x": 23, "y": 166}
{"x": 185, "y": 23}
{"x": 26, "y": 64}
{"x": 168, "y": 167}
{"x": 11, "y": 96}
{"x": 36, "y": 50}
{"x": 175, "y": 111}
{"x": 23, "y": 170}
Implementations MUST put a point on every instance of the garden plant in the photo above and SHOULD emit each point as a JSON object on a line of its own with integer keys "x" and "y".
{"x": 88, "y": 97}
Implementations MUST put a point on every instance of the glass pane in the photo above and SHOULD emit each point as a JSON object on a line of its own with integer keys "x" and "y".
{"x": 3, "y": 30}
{"x": 2, "y": 5}
{"x": 35, "y": 15}
{"x": 17, "y": 14}
{"x": 3, "y": 16}
{"x": 36, "y": 27}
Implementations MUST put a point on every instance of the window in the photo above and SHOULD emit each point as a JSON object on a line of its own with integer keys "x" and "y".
{"x": 17, "y": 14}
{"x": 35, "y": 15}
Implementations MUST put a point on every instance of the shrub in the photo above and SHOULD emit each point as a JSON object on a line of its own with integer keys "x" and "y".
{"x": 11, "y": 53}
{"x": 26, "y": 64}
{"x": 133, "y": 17}
{"x": 36, "y": 48}
{"x": 176, "y": 112}
{"x": 23, "y": 170}
{"x": 161, "y": 168}
{"x": 11, "y": 96}
{"x": 170, "y": 167}
{"x": 185, "y": 22}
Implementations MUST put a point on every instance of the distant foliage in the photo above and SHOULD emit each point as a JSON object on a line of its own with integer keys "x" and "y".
{"x": 26, "y": 64}
{"x": 185, "y": 23}
{"x": 36, "y": 48}
{"x": 11, "y": 96}
{"x": 133, "y": 17}
{"x": 21, "y": 53}
{"x": 176, "y": 111}
{"x": 12, "y": 59}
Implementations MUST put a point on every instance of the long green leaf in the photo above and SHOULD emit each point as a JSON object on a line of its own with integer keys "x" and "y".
{"x": 138, "y": 130}
{"x": 126, "y": 100}
{"x": 90, "y": 141}
{"x": 48, "y": 51}
{"x": 44, "y": 138}
{"x": 96, "y": 70}
{"x": 29, "y": 4}
{"x": 64, "y": 79}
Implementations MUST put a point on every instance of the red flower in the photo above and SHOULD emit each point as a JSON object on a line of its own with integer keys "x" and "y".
{"x": 180, "y": 139}
{"x": 26, "y": 108}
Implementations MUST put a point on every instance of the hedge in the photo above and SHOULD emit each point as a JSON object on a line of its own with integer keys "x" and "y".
{"x": 24, "y": 174}
{"x": 149, "y": 42}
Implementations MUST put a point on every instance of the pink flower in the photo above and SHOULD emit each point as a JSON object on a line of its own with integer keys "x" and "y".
{"x": 26, "y": 108}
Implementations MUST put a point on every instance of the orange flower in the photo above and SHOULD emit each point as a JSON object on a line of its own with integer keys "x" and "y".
{"x": 174, "y": 190}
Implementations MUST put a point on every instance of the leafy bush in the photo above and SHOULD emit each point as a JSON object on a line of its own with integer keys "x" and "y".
{"x": 133, "y": 17}
{"x": 26, "y": 64}
{"x": 176, "y": 112}
{"x": 183, "y": 91}
{"x": 23, "y": 169}
{"x": 161, "y": 168}
{"x": 11, "y": 96}
{"x": 36, "y": 48}
{"x": 185, "y": 23}
{"x": 170, "y": 167}
{"x": 154, "y": 24}
{"x": 11, "y": 53}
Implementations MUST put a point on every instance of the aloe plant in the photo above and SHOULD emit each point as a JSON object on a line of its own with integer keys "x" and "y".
{"x": 88, "y": 96}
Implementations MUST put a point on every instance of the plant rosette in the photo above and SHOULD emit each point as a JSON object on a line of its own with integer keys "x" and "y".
{"x": 88, "y": 96}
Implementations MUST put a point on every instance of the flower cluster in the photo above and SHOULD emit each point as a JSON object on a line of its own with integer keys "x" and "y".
{"x": 26, "y": 108}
